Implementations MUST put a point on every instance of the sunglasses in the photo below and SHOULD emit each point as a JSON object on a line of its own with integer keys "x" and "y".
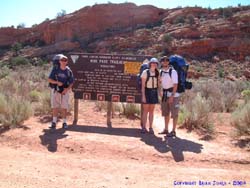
{"x": 64, "y": 60}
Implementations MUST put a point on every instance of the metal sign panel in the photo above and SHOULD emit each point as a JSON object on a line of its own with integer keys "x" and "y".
{"x": 106, "y": 77}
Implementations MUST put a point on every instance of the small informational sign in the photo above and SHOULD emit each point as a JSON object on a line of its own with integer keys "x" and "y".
{"x": 106, "y": 77}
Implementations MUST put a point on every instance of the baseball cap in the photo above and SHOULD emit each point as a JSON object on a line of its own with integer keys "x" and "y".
{"x": 60, "y": 57}
{"x": 164, "y": 58}
{"x": 153, "y": 60}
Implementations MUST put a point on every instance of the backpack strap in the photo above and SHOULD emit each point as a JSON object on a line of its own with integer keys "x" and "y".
{"x": 69, "y": 74}
{"x": 170, "y": 72}
{"x": 148, "y": 76}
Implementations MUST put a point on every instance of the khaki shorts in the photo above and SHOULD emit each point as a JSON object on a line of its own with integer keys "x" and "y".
{"x": 166, "y": 108}
{"x": 58, "y": 100}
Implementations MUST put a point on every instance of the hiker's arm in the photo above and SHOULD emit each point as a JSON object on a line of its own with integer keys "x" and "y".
{"x": 174, "y": 90}
{"x": 171, "y": 98}
{"x": 55, "y": 82}
{"x": 143, "y": 82}
{"x": 160, "y": 86}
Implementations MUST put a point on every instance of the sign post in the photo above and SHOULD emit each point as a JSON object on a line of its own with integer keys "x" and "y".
{"x": 105, "y": 77}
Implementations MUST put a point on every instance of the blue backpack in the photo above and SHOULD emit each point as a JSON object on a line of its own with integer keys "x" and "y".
{"x": 181, "y": 67}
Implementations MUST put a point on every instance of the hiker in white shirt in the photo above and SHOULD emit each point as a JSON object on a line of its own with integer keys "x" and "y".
{"x": 169, "y": 95}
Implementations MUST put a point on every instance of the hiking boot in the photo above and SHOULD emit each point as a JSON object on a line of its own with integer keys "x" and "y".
{"x": 171, "y": 134}
{"x": 164, "y": 132}
{"x": 65, "y": 126}
{"x": 151, "y": 131}
{"x": 143, "y": 130}
{"x": 53, "y": 125}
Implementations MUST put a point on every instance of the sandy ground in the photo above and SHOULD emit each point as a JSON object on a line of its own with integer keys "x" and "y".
{"x": 93, "y": 155}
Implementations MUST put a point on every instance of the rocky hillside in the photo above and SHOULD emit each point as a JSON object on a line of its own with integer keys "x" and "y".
{"x": 195, "y": 33}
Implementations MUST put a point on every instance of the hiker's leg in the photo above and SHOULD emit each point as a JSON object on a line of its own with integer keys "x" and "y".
{"x": 175, "y": 111}
{"x": 151, "y": 115}
{"x": 64, "y": 114}
{"x": 54, "y": 114}
{"x": 165, "y": 113}
{"x": 166, "y": 118}
{"x": 145, "y": 115}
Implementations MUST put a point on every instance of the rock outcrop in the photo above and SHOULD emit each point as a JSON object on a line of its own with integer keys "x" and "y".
{"x": 85, "y": 25}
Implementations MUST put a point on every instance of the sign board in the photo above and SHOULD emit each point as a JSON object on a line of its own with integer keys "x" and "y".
{"x": 106, "y": 77}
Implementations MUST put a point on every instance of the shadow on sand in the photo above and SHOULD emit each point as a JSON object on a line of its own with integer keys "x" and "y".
{"x": 50, "y": 137}
{"x": 177, "y": 146}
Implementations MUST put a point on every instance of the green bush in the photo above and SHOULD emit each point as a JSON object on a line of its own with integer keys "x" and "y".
{"x": 222, "y": 96}
{"x": 130, "y": 109}
{"x": 4, "y": 71}
{"x": 179, "y": 19}
{"x": 167, "y": 38}
{"x": 34, "y": 96}
{"x": 190, "y": 19}
{"x": 195, "y": 115}
{"x": 246, "y": 95}
{"x": 17, "y": 61}
{"x": 15, "y": 112}
{"x": 43, "y": 107}
{"x": 241, "y": 120}
{"x": 16, "y": 48}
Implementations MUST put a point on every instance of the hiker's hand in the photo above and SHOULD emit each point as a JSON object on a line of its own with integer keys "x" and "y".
{"x": 59, "y": 83}
{"x": 65, "y": 90}
{"x": 161, "y": 93}
{"x": 143, "y": 99}
{"x": 171, "y": 99}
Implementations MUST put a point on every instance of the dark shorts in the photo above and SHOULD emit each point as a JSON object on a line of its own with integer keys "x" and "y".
{"x": 151, "y": 96}
{"x": 166, "y": 108}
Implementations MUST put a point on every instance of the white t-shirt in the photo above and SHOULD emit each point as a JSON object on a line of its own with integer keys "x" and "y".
{"x": 168, "y": 81}
{"x": 152, "y": 81}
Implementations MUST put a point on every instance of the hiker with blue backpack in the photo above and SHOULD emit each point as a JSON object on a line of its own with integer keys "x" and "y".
{"x": 61, "y": 81}
{"x": 149, "y": 89}
{"x": 173, "y": 82}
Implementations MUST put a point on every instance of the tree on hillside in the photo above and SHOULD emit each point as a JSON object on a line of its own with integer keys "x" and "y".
{"x": 60, "y": 14}
{"x": 190, "y": 19}
{"x": 16, "y": 47}
{"x": 21, "y": 25}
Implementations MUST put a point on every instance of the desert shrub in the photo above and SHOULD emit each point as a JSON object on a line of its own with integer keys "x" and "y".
{"x": 210, "y": 90}
{"x": 34, "y": 96}
{"x": 17, "y": 61}
{"x": 179, "y": 19}
{"x": 230, "y": 95}
{"x": 130, "y": 109}
{"x": 3, "y": 103}
{"x": 222, "y": 96}
{"x": 241, "y": 120}
{"x": 15, "y": 112}
{"x": 101, "y": 106}
{"x": 43, "y": 106}
{"x": 16, "y": 48}
{"x": 167, "y": 38}
{"x": 246, "y": 95}
{"x": 190, "y": 19}
{"x": 221, "y": 72}
{"x": 28, "y": 84}
{"x": 4, "y": 71}
{"x": 195, "y": 115}
{"x": 8, "y": 86}
{"x": 227, "y": 12}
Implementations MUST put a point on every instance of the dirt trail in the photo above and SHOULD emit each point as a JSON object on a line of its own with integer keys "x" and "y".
{"x": 92, "y": 155}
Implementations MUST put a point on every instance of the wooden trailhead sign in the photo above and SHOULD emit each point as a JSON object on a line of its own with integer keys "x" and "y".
{"x": 106, "y": 77}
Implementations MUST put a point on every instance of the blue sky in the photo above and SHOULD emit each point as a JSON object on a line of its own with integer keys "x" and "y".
{"x": 29, "y": 12}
